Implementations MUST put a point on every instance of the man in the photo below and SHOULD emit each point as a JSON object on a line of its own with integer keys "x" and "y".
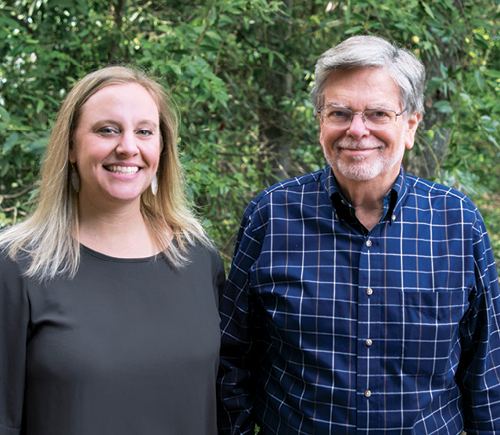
{"x": 362, "y": 300}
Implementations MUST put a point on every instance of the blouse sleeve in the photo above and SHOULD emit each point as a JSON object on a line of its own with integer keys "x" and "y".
{"x": 218, "y": 276}
{"x": 14, "y": 321}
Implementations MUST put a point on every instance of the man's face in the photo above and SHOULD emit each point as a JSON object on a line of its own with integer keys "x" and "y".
{"x": 357, "y": 153}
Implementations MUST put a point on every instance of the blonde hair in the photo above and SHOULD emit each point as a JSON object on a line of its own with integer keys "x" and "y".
{"x": 48, "y": 237}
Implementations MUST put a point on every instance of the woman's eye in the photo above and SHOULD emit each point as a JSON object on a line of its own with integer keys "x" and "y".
{"x": 145, "y": 132}
{"x": 107, "y": 130}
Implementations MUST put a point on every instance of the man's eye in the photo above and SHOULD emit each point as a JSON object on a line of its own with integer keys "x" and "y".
{"x": 377, "y": 114}
{"x": 337, "y": 114}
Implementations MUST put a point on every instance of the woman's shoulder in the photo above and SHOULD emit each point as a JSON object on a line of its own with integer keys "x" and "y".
{"x": 14, "y": 259}
{"x": 13, "y": 283}
{"x": 10, "y": 266}
{"x": 204, "y": 250}
{"x": 206, "y": 254}
{"x": 205, "y": 261}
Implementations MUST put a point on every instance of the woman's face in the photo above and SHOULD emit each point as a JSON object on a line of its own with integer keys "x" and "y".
{"x": 116, "y": 146}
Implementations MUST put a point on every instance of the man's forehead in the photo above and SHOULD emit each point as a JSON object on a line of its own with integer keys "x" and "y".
{"x": 342, "y": 104}
{"x": 372, "y": 85}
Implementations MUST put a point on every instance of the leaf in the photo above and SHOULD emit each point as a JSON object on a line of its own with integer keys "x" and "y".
{"x": 496, "y": 108}
{"x": 176, "y": 69}
{"x": 5, "y": 169}
{"x": 37, "y": 146}
{"x": 492, "y": 73}
{"x": 479, "y": 79}
{"x": 465, "y": 96}
{"x": 443, "y": 106}
{"x": 40, "y": 105}
{"x": 212, "y": 16}
{"x": 493, "y": 141}
{"x": 354, "y": 29}
{"x": 428, "y": 10}
{"x": 10, "y": 142}
{"x": 4, "y": 114}
{"x": 434, "y": 84}
{"x": 214, "y": 35}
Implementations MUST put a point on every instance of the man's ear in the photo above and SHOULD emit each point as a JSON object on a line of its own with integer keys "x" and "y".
{"x": 412, "y": 124}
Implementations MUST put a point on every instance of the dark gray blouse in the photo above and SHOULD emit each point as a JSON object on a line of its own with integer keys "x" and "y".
{"x": 127, "y": 347}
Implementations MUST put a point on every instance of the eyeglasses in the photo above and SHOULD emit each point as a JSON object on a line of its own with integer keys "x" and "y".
{"x": 374, "y": 119}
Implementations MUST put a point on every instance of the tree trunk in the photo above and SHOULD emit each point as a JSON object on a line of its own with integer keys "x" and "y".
{"x": 426, "y": 158}
{"x": 115, "y": 40}
{"x": 274, "y": 120}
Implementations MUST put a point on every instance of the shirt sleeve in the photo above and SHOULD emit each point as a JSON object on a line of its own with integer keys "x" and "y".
{"x": 14, "y": 320}
{"x": 240, "y": 326}
{"x": 479, "y": 370}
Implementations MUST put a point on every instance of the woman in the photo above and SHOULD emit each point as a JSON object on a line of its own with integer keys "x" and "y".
{"x": 109, "y": 290}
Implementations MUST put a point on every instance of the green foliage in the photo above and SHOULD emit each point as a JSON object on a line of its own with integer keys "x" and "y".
{"x": 240, "y": 72}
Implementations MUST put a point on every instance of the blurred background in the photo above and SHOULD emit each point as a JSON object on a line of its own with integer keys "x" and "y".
{"x": 240, "y": 72}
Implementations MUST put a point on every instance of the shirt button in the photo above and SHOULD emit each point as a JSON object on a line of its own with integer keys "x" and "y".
{"x": 368, "y": 342}
{"x": 369, "y": 291}
{"x": 368, "y": 243}
{"x": 367, "y": 393}
{"x": 393, "y": 217}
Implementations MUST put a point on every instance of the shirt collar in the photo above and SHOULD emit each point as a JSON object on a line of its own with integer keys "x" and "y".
{"x": 392, "y": 201}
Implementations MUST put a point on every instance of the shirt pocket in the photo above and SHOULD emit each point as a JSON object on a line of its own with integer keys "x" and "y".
{"x": 431, "y": 330}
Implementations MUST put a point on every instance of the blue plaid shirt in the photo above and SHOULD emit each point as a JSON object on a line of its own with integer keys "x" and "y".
{"x": 328, "y": 328}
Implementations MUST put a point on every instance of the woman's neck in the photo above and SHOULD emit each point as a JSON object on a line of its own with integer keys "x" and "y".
{"x": 121, "y": 233}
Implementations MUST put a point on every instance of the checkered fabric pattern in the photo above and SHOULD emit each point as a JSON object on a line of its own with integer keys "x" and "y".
{"x": 328, "y": 328}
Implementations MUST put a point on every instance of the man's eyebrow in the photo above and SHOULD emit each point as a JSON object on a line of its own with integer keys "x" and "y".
{"x": 333, "y": 103}
{"x": 374, "y": 106}
{"x": 377, "y": 106}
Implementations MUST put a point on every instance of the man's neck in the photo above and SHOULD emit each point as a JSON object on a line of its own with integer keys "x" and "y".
{"x": 367, "y": 198}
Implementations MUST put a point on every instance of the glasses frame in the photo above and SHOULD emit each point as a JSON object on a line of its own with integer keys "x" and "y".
{"x": 320, "y": 112}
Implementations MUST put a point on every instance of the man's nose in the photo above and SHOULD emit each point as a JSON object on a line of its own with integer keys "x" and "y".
{"x": 357, "y": 129}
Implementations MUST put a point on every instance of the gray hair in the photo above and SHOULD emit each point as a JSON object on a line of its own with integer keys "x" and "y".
{"x": 373, "y": 52}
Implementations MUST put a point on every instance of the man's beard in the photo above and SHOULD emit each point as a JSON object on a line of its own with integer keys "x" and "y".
{"x": 360, "y": 168}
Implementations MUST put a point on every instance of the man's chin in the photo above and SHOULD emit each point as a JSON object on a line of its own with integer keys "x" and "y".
{"x": 359, "y": 171}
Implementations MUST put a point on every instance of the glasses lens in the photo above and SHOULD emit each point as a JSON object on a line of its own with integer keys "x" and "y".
{"x": 377, "y": 118}
{"x": 334, "y": 117}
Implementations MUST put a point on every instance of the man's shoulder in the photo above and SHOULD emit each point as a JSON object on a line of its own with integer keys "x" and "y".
{"x": 438, "y": 192}
{"x": 306, "y": 182}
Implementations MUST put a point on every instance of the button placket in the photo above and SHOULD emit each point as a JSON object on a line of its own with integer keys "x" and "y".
{"x": 369, "y": 280}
